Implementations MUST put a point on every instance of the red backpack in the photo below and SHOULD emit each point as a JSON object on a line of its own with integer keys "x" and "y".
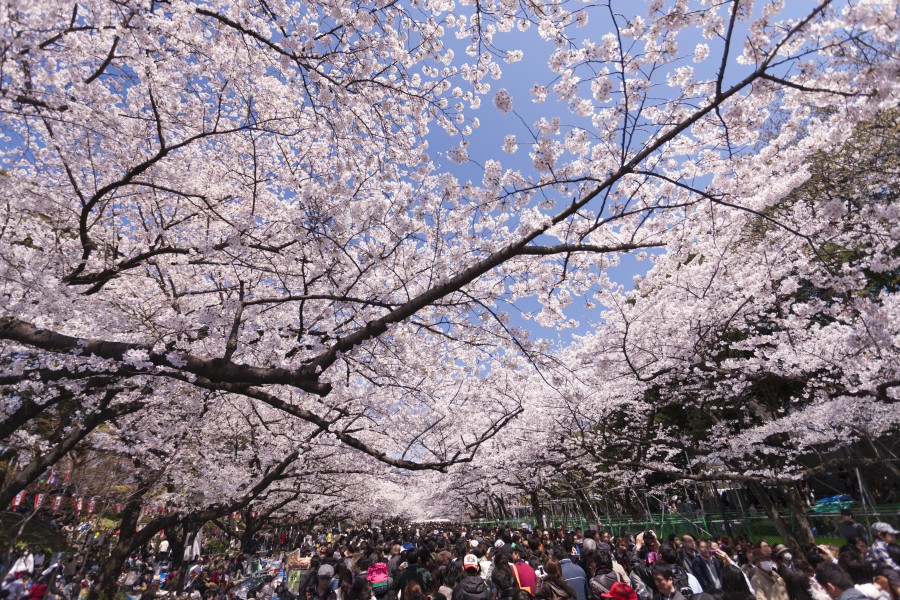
{"x": 377, "y": 576}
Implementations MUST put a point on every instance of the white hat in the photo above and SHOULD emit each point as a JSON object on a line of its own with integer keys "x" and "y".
{"x": 884, "y": 528}
{"x": 470, "y": 562}
{"x": 474, "y": 543}
{"x": 499, "y": 544}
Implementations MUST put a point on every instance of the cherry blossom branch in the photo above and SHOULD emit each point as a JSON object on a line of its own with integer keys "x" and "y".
{"x": 14, "y": 329}
{"x": 593, "y": 248}
{"x": 805, "y": 88}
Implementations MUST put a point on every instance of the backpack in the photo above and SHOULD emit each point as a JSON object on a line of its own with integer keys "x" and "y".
{"x": 377, "y": 576}
{"x": 556, "y": 592}
{"x": 640, "y": 589}
{"x": 681, "y": 582}
{"x": 602, "y": 583}
{"x": 525, "y": 589}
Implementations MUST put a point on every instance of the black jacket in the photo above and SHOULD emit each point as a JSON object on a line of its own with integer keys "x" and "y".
{"x": 471, "y": 587}
{"x": 702, "y": 573}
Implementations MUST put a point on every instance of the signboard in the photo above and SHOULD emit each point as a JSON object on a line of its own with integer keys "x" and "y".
{"x": 294, "y": 579}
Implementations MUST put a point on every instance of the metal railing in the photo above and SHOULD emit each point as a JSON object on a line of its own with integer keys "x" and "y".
{"x": 756, "y": 524}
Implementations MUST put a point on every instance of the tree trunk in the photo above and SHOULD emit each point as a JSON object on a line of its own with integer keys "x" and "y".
{"x": 176, "y": 536}
{"x": 584, "y": 505}
{"x": 793, "y": 537}
{"x": 106, "y": 584}
{"x": 802, "y": 530}
{"x": 250, "y": 531}
{"x": 536, "y": 511}
{"x": 501, "y": 507}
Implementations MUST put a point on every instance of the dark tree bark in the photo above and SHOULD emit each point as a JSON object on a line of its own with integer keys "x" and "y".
{"x": 251, "y": 528}
{"x": 537, "y": 510}
{"x": 177, "y": 537}
{"x": 794, "y": 536}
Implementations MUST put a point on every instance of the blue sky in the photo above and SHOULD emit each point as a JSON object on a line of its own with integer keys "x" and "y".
{"x": 518, "y": 78}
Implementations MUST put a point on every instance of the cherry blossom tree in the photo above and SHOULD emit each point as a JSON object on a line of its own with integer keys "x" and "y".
{"x": 207, "y": 458}
{"x": 761, "y": 349}
{"x": 239, "y": 208}
{"x": 244, "y": 200}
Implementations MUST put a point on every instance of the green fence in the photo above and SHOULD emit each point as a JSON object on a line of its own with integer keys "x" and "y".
{"x": 754, "y": 524}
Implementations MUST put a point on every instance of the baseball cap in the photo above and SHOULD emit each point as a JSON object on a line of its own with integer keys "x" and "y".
{"x": 621, "y": 591}
{"x": 882, "y": 527}
{"x": 470, "y": 562}
{"x": 474, "y": 543}
{"x": 326, "y": 571}
{"x": 499, "y": 543}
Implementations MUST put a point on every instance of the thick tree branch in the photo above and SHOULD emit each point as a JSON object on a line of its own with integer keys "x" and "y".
{"x": 14, "y": 329}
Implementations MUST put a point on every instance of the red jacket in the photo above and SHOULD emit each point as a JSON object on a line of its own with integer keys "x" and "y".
{"x": 37, "y": 591}
{"x": 525, "y": 575}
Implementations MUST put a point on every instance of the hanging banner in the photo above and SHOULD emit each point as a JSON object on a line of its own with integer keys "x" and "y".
{"x": 91, "y": 506}
{"x": 79, "y": 504}
{"x": 39, "y": 500}
{"x": 18, "y": 499}
{"x": 57, "y": 503}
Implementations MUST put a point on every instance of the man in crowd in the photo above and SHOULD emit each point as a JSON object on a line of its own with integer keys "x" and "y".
{"x": 688, "y": 552}
{"x": 572, "y": 573}
{"x": 685, "y": 582}
{"x": 663, "y": 579}
{"x": 524, "y": 574}
{"x": 768, "y": 584}
{"x": 850, "y": 528}
{"x": 413, "y": 572}
{"x": 707, "y": 568}
{"x": 880, "y": 557}
{"x": 394, "y": 560}
{"x": 323, "y": 590}
{"x": 471, "y": 586}
{"x": 590, "y": 542}
{"x": 837, "y": 583}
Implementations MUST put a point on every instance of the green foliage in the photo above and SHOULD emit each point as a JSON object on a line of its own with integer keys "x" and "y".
{"x": 216, "y": 547}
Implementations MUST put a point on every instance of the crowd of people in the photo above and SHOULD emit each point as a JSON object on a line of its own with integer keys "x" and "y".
{"x": 455, "y": 562}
